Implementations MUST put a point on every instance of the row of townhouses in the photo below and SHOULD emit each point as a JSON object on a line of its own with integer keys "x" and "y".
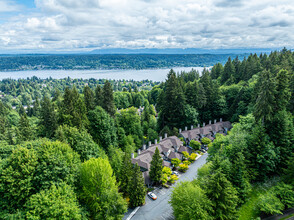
{"x": 172, "y": 147}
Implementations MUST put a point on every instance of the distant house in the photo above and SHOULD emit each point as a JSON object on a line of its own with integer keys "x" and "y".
{"x": 172, "y": 147}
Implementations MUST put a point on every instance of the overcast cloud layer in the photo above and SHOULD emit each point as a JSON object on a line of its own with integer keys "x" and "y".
{"x": 81, "y": 25}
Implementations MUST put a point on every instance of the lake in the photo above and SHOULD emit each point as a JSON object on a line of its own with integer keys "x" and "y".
{"x": 151, "y": 74}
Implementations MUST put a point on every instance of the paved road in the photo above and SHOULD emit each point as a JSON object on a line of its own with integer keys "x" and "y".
{"x": 160, "y": 209}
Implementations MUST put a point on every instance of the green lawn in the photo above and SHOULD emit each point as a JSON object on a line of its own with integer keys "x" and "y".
{"x": 248, "y": 210}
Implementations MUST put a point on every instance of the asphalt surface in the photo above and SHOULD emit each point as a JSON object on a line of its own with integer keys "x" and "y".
{"x": 160, "y": 209}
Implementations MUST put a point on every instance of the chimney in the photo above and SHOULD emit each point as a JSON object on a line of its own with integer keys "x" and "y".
{"x": 214, "y": 121}
{"x": 221, "y": 119}
{"x": 192, "y": 127}
{"x": 203, "y": 124}
{"x": 198, "y": 126}
{"x": 165, "y": 135}
{"x": 139, "y": 151}
{"x": 155, "y": 141}
{"x": 176, "y": 148}
{"x": 144, "y": 147}
{"x": 133, "y": 156}
{"x": 180, "y": 130}
{"x": 186, "y": 128}
{"x": 149, "y": 144}
{"x": 210, "y": 122}
{"x": 160, "y": 138}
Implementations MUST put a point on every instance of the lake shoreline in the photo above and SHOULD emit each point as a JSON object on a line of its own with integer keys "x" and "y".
{"x": 158, "y": 74}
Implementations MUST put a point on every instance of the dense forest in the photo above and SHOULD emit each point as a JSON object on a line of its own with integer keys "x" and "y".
{"x": 65, "y": 145}
{"x": 108, "y": 61}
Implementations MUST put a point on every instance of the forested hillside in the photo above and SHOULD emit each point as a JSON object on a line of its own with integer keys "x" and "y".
{"x": 250, "y": 171}
{"x": 65, "y": 148}
{"x": 109, "y": 61}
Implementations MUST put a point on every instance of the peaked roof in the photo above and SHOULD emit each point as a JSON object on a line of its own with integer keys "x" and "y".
{"x": 206, "y": 130}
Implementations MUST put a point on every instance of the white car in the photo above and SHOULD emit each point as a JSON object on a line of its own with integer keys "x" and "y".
{"x": 175, "y": 173}
{"x": 152, "y": 195}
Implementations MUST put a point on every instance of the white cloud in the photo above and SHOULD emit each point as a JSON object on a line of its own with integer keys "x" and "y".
{"x": 89, "y": 24}
{"x": 8, "y": 6}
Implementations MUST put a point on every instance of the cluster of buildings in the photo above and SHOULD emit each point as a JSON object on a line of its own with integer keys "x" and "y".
{"x": 172, "y": 147}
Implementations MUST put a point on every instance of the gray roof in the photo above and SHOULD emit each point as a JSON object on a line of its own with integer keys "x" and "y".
{"x": 207, "y": 130}
{"x": 166, "y": 147}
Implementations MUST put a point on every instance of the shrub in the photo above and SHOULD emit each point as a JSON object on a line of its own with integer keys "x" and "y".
{"x": 192, "y": 157}
{"x": 164, "y": 179}
{"x": 183, "y": 167}
{"x": 185, "y": 154}
{"x": 205, "y": 141}
{"x": 285, "y": 193}
{"x": 187, "y": 162}
{"x": 195, "y": 145}
{"x": 167, "y": 171}
{"x": 173, "y": 179}
{"x": 176, "y": 162}
{"x": 270, "y": 204}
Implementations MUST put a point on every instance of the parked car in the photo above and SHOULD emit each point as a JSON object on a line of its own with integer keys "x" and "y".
{"x": 152, "y": 195}
{"x": 175, "y": 173}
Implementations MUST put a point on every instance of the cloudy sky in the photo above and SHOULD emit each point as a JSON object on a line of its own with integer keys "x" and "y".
{"x": 84, "y": 25}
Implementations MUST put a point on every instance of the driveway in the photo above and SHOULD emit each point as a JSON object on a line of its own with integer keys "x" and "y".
{"x": 160, "y": 209}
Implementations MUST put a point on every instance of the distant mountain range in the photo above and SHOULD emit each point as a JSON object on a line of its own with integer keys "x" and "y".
{"x": 148, "y": 51}
{"x": 182, "y": 51}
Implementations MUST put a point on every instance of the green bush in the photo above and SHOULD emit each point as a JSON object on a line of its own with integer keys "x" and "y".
{"x": 205, "y": 141}
{"x": 192, "y": 157}
{"x": 195, "y": 145}
{"x": 176, "y": 162}
{"x": 183, "y": 167}
{"x": 173, "y": 179}
{"x": 185, "y": 154}
{"x": 285, "y": 193}
{"x": 167, "y": 171}
{"x": 270, "y": 204}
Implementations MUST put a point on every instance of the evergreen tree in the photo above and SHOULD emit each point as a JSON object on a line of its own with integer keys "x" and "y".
{"x": 108, "y": 100}
{"x": 281, "y": 133}
{"x": 223, "y": 196}
{"x": 282, "y": 93}
{"x": 36, "y": 108}
{"x": 102, "y": 127}
{"x": 156, "y": 167}
{"x": 264, "y": 105}
{"x": 21, "y": 110}
{"x": 125, "y": 174}
{"x": 73, "y": 110}
{"x": 137, "y": 189}
{"x": 98, "y": 96}
{"x": 89, "y": 98}
{"x": 262, "y": 156}
{"x": 239, "y": 177}
{"x": 48, "y": 118}
{"x": 172, "y": 108}
{"x": 229, "y": 71}
{"x": 217, "y": 71}
{"x": 24, "y": 129}
{"x": 57, "y": 95}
